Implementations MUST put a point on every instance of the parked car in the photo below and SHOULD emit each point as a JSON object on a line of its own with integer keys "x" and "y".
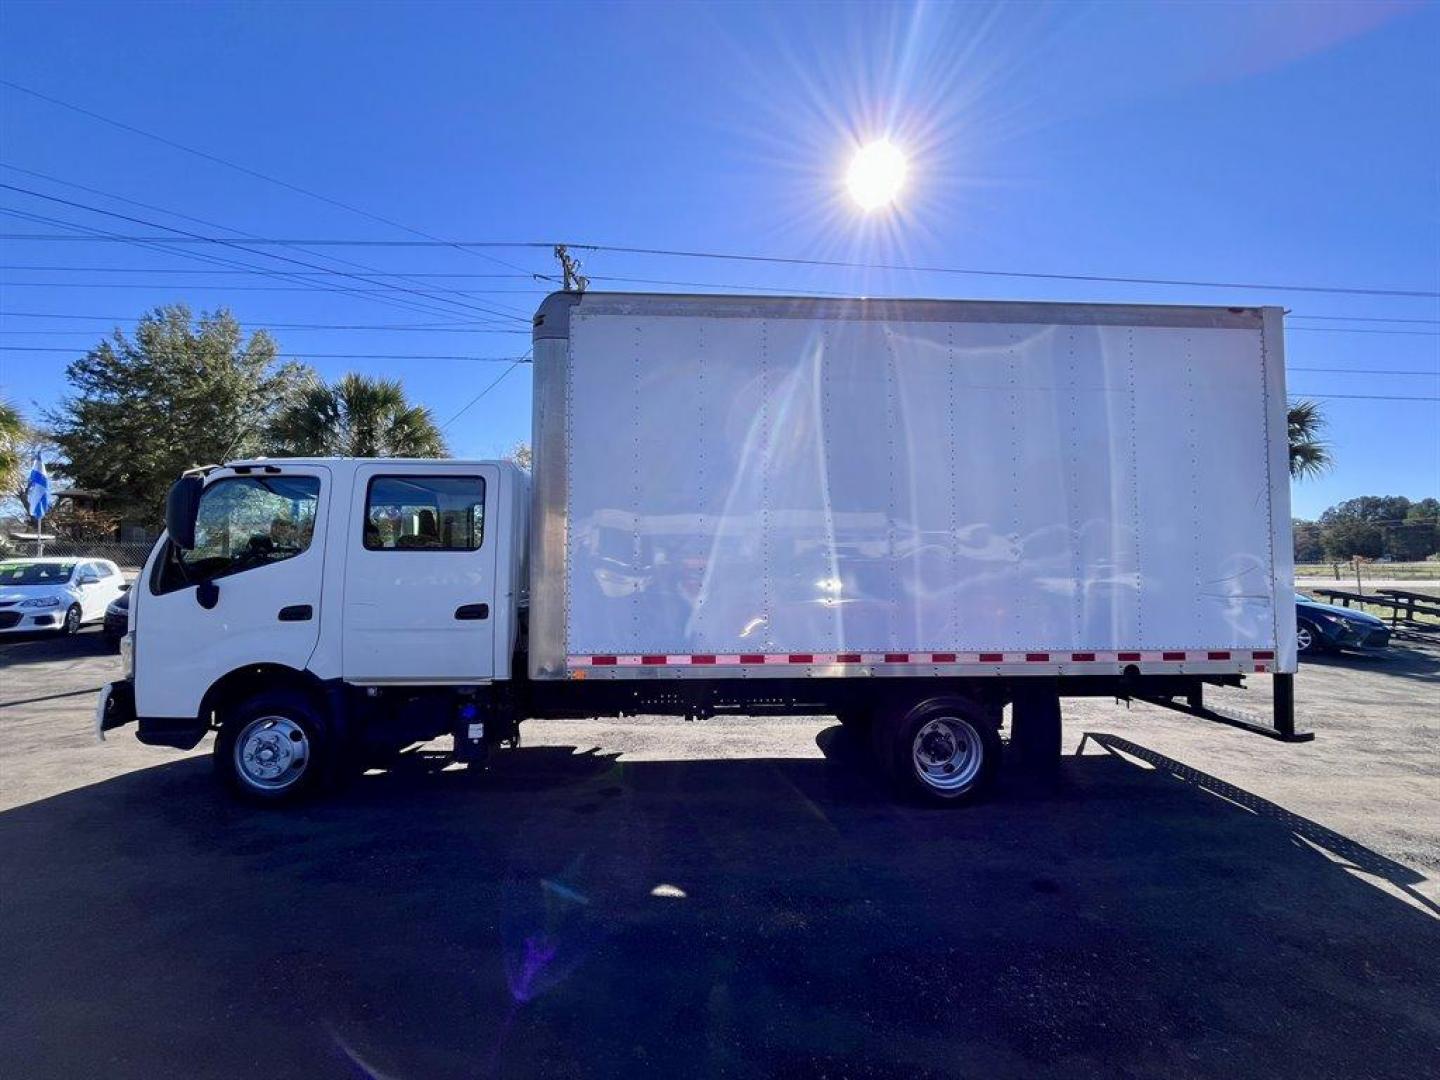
{"x": 56, "y": 594}
{"x": 1328, "y": 628}
{"x": 117, "y": 620}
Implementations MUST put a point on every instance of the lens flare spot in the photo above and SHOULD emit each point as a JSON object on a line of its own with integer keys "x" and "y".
{"x": 877, "y": 174}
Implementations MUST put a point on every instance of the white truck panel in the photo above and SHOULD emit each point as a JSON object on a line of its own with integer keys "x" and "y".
{"x": 750, "y": 476}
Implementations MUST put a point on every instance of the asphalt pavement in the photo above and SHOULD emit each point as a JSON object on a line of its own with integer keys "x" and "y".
{"x": 652, "y": 897}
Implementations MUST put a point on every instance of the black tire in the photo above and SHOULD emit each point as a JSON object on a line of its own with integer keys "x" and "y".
{"x": 961, "y": 740}
{"x": 71, "y": 625}
{"x": 1035, "y": 727}
{"x": 262, "y": 735}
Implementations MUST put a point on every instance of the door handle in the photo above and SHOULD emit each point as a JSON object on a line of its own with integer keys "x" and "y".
{"x": 297, "y": 613}
{"x": 472, "y": 611}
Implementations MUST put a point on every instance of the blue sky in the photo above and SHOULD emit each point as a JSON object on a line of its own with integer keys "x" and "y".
{"x": 1265, "y": 143}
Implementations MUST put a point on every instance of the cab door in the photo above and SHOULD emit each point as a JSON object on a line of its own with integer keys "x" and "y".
{"x": 420, "y": 575}
{"x": 249, "y": 592}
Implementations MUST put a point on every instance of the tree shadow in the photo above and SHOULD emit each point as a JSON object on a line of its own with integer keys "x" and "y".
{"x": 578, "y": 913}
{"x": 1407, "y": 660}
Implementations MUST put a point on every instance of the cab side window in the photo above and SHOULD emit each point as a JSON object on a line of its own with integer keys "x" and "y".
{"x": 244, "y": 522}
{"x": 425, "y": 513}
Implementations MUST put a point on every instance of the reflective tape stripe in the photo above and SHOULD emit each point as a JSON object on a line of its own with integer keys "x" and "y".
{"x": 976, "y": 659}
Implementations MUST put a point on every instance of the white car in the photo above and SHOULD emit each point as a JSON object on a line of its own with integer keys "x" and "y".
{"x": 56, "y": 594}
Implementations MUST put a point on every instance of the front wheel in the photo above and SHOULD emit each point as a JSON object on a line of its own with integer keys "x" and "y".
{"x": 1307, "y": 640}
{"x": 273, "y": 748}
{"x": 71, "y": 625}
{"x": 944, "y": 751}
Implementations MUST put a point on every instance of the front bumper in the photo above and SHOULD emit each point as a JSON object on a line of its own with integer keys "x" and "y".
{"x": 29, "y": 620}
{"x": 1355, "y": 636}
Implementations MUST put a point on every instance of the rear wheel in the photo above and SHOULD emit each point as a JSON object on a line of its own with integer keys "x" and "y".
{"x": 945, "y": 751}
{"x": 273, "y": 748}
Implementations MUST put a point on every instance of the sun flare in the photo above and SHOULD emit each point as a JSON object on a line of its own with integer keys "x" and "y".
{"x": 877, "y": 174}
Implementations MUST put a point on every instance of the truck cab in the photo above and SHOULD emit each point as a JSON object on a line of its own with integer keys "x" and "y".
{"x": 384, "y": 592}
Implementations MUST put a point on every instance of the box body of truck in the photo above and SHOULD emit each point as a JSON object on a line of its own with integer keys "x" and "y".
{"x": 790, "y": 487}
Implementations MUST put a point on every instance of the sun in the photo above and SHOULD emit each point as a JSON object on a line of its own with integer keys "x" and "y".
{"x": 877, "y": 174}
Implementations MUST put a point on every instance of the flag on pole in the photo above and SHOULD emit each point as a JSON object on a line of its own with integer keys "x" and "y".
{"x": 37, "y": 489}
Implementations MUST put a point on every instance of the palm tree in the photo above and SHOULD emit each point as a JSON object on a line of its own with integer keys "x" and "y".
{"x": 1309, "y": 456}
{"x": 13, "y": 434}
{"x": 356, "y": 417}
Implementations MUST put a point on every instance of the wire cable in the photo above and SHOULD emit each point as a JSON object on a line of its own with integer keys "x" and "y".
{"x": 675, "y": 253}
{"x": 235, "y": 245}
{"x": 233, "y": 165}
{"x": 498, "y": 380}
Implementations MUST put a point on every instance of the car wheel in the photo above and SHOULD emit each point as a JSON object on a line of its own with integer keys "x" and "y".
{"x": 71, "y": 625}
{"x": 273, "y": 748}
{"x": 1307, "y": 640}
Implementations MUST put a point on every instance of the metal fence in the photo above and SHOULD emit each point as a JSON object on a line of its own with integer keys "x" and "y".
{"x": 126, "y": 556}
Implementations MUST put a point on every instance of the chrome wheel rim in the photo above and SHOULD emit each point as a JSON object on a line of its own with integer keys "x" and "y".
{"x": 1303, "y": 639}
{"x": 272, "y": 753}
{"x": 72, "y": 620}
{"x": 947, "y": 753}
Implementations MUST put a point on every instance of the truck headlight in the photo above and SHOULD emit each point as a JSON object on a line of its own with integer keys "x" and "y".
{"x": 41, "y": 601}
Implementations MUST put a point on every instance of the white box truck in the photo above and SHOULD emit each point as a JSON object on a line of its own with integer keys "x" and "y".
{"x": 906, "y": 514}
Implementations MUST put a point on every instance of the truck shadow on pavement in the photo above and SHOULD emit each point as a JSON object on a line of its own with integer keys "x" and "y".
{"x": 578, "y": 914}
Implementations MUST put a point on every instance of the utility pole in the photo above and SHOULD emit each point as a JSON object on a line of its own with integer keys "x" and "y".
{"x": 574, "y": 281}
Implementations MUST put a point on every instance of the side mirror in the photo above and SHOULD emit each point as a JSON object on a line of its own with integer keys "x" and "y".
{"x": 125, "y": 587}
{"x": 89, "y": 577}
{"x": 181, "y": 506}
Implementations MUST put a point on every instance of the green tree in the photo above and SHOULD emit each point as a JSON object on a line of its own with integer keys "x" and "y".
{"x": 1418, "y": 536}
{"x": 356, "y": 417}
{"x": 1308, "y": 545}
{"x": 1351, "y": 536}
{"x": 14, "y": 433}
{"x": 176, "y": 394}
{"x": 1309, "y": 455}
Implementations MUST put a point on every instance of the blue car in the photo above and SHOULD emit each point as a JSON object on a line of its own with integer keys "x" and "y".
{"x": 1324, "y": 628}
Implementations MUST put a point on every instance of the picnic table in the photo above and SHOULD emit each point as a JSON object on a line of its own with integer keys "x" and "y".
{"x": 1397, "y": 600}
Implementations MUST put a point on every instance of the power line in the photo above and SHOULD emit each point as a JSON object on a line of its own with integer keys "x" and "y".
{"x": 233, "y": 165}
{"x": 1368, "y": 397}
{"x": 477, "y": 327}
{"x": 674, "y": 253}
{"x": 1366, "y": 371}
{"x": 497, "y": 359}
{"x": 498, "y": 379}
{"x": 1358, "y": 330}
{"x": 1364, "y": 318}
{"x": 308, "y": 287}
{"x": 185, "y": 217}
{"x": 233, "y": 244}
{"x": 91, "y": 232}
{"x": 193, "y": 270}
{"x": 305, "y": 356}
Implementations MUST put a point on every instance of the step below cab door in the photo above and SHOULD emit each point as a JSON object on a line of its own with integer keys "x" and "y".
{"x": 420, "y": 575}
